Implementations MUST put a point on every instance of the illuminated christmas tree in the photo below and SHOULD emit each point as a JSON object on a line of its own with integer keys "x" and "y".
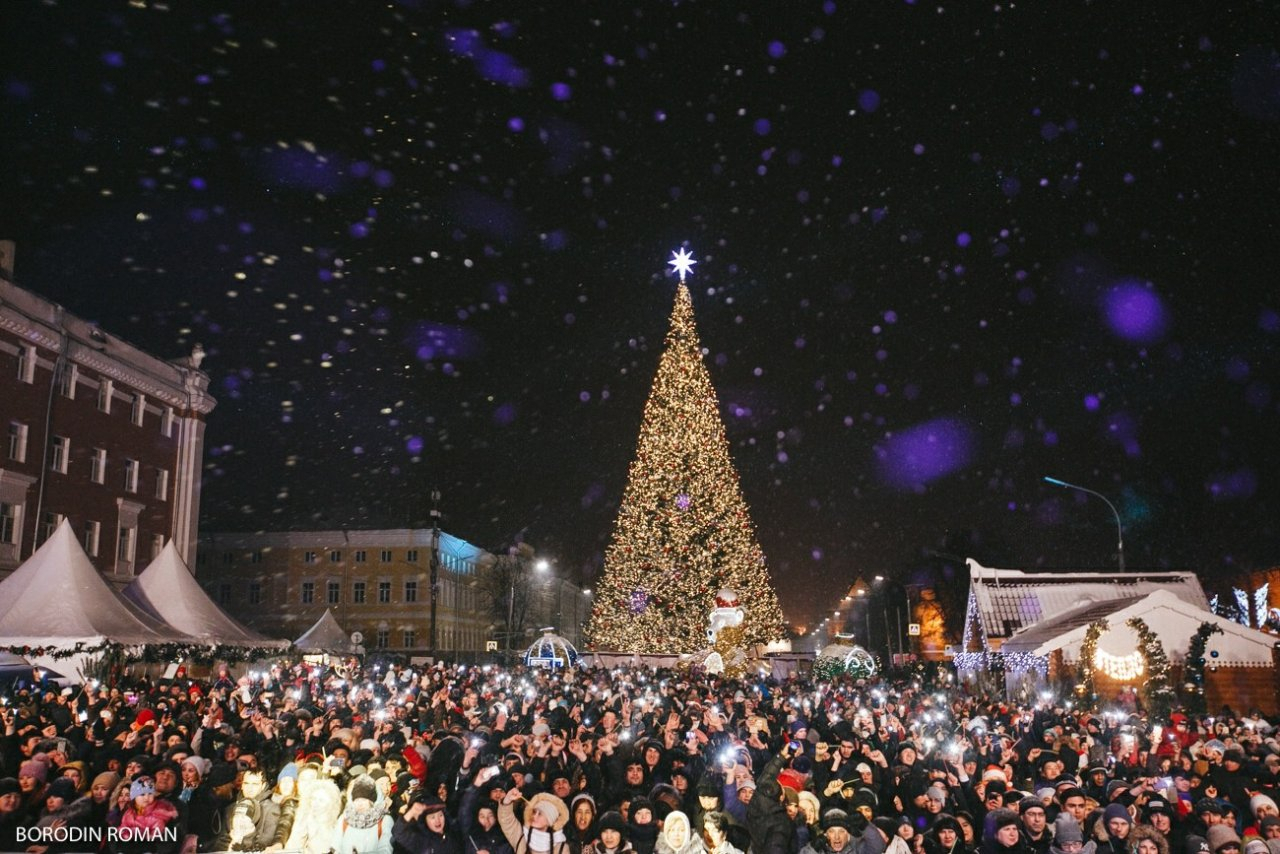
{"x": 683, "y": 531}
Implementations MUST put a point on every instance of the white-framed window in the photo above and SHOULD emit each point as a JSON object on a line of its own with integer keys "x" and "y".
{"x": 254, "y": 556}
{"x": 335, "y": 556}
{"x": 386, "y": 555}
{"x": 98, "y": 466}
{"x": 139, "y": 409}
{"x": 18, "y": 441}
{"x": 157, "y": 545}
{"x": 383, "y": 638}
{"x": 92, "y": 537}
{"x": 131, "y": 475}
{"x": 361, "y": 556}
{"x": 308, "y": 557}
{"x": 126, "y": 544}
{"x": 308, "y": 592}
{"x": 59, "y": 453}
{"x": 49, "y": 524}
{"x": 162, "y": 486}
{"x": 10, "y": 523}
{"x": 255, "y": 593}
{"x": 384, "y": 592}
{"x": 68, "y": 376}
{"x": 358, "y": 590}
{"x": 411, "y": 555}
{"x": 224, "y": 593}
{"x": 333, "y": 592}
{"x": 166, "y": 422}
{"x": 106, "y": 390}
{"x": 27, "y": 363}
{"x": 411, "y": 591}
{"x": 410, "y": 638}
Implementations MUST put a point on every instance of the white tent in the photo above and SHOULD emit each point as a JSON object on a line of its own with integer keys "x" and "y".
{"x": 167, "y": 591}
{"x": 58, "y": 600}
{"x": 327, "y": 636}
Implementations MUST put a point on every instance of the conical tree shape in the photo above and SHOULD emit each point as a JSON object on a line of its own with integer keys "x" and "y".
{"x": 683, "y": 531}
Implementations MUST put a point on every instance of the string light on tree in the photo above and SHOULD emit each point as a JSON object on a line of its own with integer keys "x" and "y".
{"x": 682, "y": 508}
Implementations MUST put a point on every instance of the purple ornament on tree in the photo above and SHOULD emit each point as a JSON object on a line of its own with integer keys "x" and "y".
{"x": 639, "y": 601}
{"x": 682, "y": 501}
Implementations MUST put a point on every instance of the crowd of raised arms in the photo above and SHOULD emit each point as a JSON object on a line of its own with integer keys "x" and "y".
{"x": 504, "y": 760}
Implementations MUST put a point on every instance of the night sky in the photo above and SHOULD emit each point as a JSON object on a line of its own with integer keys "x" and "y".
{"x": 943, "y": 250}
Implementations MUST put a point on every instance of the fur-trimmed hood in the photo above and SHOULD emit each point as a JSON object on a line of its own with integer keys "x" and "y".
{"x": 1138, "y": 832}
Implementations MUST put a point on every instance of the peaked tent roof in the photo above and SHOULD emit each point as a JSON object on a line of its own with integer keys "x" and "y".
{"x": 1009, "y": 599}
{"x": 327, "y": 636}
{"x": 167, "y": 591}
{"x": 1173, "y": 620}
{"x": 57, "y": 598}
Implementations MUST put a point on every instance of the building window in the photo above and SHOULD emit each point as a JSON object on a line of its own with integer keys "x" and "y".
{"x": 357, "y": 592}
{"x": 98, "y": 466}
{"x": 411, "y": 591}
{"x": 411, "y": 555}
{"x": 308, "y": 557}
{"x": 9, "y": 527}
{"x": 130, "y": 475}
{"x": 255, "y": 593}
{"x": 67, "y": 376}
{"x": 254, "y": 556}
{"x": 386, "y": 555}
{"x": 125, "y": 545}
{"x": 139, "y": 409}
{"x": 360, "y": 556}
{"x": 162, "y": 484}
{"x": 59, "y": 453}
{"x": 410, "y": 638}
{"x": 228, "y": 558}
{"x": 334, "y": 592}
{"x": 384, "y": 592}
{"x": 224, "y": 593}
{"x": 50, "y": 524}
{"x": 383, "y": 639}
{"x": 92, "y": 536}
{"x": 335, "y": 556}
{"x": 157, "y": 545}
{"x": 166, "y": 422}
{"x": 308, "y": 592}
{"x": 27, "y": 364}
{"x": 105, "y": 392}
{"x": 18, "y": 441}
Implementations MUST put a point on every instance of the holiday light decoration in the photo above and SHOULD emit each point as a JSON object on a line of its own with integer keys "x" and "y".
{"x": 1124, "y": 668}
{"x": 683, "y": 531}
{"x": 1195, "y": 665}
{"x": 1158, "y": 696}
{"x": 1260, "y": 604}
{"x": 1087, "y": 663}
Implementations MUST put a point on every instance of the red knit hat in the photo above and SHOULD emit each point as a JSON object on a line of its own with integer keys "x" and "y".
{"x": 416, "y": 764}
{"x": 146, "y": 716}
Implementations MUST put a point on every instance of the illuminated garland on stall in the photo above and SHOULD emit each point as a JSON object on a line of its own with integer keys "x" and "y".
{"x": 683, "y": 530}
{"x": 1088, "y": 660}
{"x": 153, "y": 653}
{"x": 1195, "y": 665}
{"x": 1157, "y": 691}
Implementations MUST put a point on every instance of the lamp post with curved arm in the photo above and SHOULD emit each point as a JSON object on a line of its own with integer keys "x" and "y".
{"x": 1053, "y": 481}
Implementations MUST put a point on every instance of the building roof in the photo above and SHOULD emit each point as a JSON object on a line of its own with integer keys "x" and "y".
{"x": 57, "y": 599}
{"x": 1170, "y": 617}
{"x": 450, "y": 546}
{"x": 1009, "y": 599}
{"x": 167, "y": 591}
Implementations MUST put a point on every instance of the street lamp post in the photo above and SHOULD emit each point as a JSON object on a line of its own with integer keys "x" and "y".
{"x": 435, "y": 563}
{"x": 1119, "y": 529}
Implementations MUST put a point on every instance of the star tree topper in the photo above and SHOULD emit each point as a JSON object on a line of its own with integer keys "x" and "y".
{"x": 683, "y": 262}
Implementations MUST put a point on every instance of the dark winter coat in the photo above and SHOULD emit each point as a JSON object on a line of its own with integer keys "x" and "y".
{"x": 771, "y": 830}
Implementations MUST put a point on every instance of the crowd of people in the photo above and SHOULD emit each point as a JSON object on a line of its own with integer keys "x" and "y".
{"x": 457, "y": 759}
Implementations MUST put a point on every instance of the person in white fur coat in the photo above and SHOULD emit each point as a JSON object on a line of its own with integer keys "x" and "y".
{"x": 365, "y": 827}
